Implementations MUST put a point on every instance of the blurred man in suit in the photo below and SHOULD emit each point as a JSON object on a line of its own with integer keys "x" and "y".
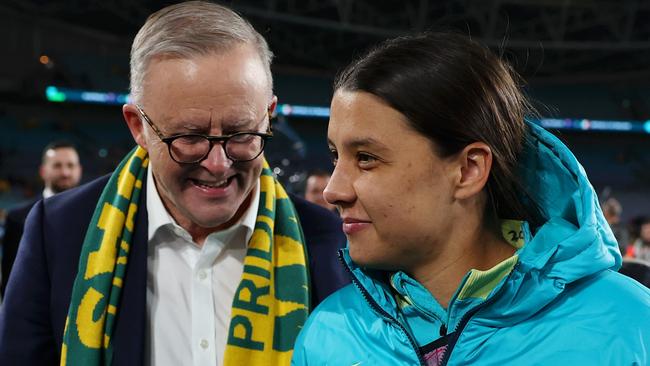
{"x": 60, "y": 170}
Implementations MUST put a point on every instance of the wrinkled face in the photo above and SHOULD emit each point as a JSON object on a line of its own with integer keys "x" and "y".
{"x": 314, "y": 191}
{"x": 392, "y": 191}
{"x": 61, "y": 169}
{"x": 216, "y": 94}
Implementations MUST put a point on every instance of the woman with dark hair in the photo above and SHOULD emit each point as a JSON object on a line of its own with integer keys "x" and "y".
{"x": 474, "y": 235}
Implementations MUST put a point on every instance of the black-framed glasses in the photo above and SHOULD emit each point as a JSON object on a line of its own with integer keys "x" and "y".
{"x": 191, "y": 148}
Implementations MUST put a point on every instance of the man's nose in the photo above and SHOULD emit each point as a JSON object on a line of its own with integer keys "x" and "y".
{"x": 66, "y": 171}
{"x": 217, "y": 161}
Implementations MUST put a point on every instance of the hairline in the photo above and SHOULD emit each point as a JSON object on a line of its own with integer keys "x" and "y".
{"x": 218, "y": 30}
{"x": 138, "y": 96}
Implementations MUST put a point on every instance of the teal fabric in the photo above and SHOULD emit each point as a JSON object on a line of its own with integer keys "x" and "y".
{"x": 420, "y": 313}
{"x": 563, "y": 303}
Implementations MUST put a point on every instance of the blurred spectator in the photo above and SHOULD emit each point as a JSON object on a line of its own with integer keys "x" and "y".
{"x": 637, "y": 269}
{"x": 612, "y": 210}
{"x": 316, "y": 183}
{"x": 60, "y": 170}
{"x": 640, "y": 248}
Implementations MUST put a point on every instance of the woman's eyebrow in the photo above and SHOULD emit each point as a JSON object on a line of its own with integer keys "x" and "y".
{"x": 362, "y": 142}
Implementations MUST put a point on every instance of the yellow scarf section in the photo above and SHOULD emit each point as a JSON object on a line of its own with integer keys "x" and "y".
{"x": 271, "y": 303}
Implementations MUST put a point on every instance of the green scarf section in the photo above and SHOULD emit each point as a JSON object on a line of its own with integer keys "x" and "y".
{"x": 270, "y": 305}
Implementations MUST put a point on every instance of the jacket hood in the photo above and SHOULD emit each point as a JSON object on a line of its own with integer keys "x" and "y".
{"x": 573, "y": 242}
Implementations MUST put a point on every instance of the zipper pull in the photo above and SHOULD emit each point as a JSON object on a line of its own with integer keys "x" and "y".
{"x": 443, "y": 330}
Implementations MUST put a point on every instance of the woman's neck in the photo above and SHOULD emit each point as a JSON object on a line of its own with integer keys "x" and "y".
{"x": 464, "y": 251}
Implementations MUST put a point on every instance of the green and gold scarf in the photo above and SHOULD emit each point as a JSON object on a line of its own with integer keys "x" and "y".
{"x": 271, "y": 303}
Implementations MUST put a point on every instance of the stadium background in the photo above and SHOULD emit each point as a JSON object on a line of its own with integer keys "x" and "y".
{"x": 586, "y": 65}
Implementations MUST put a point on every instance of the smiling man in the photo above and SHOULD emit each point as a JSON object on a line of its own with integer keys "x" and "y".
{"x": 190, "y": 253}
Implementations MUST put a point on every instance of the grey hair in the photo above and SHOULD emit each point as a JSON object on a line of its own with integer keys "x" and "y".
{"x": 190, "y": 29}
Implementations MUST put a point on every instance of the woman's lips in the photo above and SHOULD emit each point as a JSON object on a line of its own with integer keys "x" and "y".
{"x": 353, "y": 226}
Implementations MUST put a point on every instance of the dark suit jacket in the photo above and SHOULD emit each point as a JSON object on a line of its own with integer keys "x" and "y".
{"x": 32, "y": 317}
{"x": 13, "y": 232}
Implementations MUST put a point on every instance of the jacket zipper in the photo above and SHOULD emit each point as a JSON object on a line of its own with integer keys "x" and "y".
{"x": 373, "y": 304}
{"x": 466, "y": 318}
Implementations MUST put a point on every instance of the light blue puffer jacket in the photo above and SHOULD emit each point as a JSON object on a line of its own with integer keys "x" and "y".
{"x": 563, "y": 303}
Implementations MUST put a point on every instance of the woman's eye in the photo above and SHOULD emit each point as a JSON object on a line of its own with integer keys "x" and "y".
{"x": 365, "y": 159}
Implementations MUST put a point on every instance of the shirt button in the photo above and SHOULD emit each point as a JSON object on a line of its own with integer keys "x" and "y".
{"x": 204, "y": 343}
{"x": 202, "y": 275}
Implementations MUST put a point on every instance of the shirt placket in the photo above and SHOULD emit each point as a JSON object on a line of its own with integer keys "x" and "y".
{"x": 203, "y": 318}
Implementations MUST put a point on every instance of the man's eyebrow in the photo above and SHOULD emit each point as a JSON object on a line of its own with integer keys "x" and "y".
{"x": 362, "y": 142}
{"x": 193, "y": 126}
{"x": 250, "y": 122}
{"x": 202, "y": 124}
{"x": 239, "y": 123}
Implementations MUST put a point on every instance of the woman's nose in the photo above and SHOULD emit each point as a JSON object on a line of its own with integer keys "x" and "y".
{"x": 339, "y": 190}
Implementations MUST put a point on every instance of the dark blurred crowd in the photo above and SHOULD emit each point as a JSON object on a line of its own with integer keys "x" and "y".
{"x": 634, "y": 236}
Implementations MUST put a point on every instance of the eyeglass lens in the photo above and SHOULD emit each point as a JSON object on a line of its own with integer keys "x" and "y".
{"x": 240, "y": 147}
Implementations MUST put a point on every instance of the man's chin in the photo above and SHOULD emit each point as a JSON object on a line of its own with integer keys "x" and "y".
{"x": 212, "y": 215}
{"x": 58, "y": 190}
{"x": 208, "y": 220}
{"x": 217, "y": 224}
{"x": 61, "y": 188}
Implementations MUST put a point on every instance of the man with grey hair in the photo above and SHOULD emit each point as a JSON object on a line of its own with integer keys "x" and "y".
{"x": 190, "y": 252}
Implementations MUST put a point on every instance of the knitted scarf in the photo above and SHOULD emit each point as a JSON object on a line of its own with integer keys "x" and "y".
{"x": 270, "y": 305}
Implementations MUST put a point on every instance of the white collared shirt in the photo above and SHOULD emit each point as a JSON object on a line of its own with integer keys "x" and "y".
{"x": 190, "y": 288}
{"x": 47, "y": 193}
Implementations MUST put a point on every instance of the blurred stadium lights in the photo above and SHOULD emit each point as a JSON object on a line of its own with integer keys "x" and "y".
{"x": 302, "y": 111}
{"x": 44, "y": 59}
{"x": 58, "y": 94}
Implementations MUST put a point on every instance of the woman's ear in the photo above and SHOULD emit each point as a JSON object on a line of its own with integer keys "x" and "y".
{"x": 475, "y": 162}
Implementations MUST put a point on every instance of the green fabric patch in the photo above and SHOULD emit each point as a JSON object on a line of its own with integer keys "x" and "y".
{"x": 479, "y": 284}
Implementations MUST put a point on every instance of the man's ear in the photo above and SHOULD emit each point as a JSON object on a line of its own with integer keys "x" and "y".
{"x": 135, "y": 124}
{"x": 475, "y": 162}
{"x": 273, "y": 105}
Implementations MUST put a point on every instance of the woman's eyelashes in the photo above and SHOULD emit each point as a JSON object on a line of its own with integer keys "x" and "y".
{"x": 366, "y": 160}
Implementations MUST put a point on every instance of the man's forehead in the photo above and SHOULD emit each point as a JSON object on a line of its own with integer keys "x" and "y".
{"x": 61, "y": 155}
{"x": 235, "y": 64}
{"x": 316, "y": 181}
{"x": 60, "y": 151}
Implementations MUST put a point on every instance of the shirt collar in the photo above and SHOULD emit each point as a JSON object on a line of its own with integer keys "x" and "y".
{"x": 47, "y": 192}
{"x": 160, "y": 217}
